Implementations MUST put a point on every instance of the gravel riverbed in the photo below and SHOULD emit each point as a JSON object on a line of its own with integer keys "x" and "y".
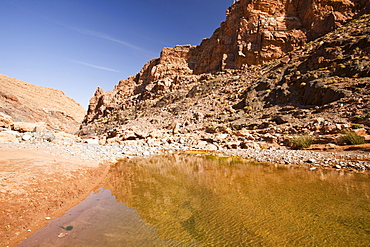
{"x": 102, "y": 153}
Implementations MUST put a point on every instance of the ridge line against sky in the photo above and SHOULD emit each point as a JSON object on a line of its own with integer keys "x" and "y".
{"x": 78, "y": 45}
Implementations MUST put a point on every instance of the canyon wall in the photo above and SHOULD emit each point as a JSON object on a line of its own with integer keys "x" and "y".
{"x": 255, "y": 32}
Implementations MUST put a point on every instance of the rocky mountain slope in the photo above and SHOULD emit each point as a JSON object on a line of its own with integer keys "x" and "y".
{"x": 273, "y": 69}
{"x": 51, "y": 109}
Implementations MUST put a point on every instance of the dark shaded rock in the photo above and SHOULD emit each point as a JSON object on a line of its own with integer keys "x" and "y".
{"x": 282, "y": 119}
{"x": 318, "y": 93}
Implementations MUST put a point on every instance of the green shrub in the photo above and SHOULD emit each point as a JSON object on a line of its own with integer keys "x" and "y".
{"x": 357, "y": 126}
{"x": 351, "y": 138}
{"x": 301, "y": 141}
{"x": 211, "y": 129}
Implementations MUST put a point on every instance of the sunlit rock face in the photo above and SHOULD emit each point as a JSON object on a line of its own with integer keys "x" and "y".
{"x": 254, "y": 33}
{"x": 258, "y": 31}
{"x": 27, "y": 107}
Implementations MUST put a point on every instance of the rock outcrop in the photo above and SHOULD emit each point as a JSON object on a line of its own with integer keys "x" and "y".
{"x": 27, "y": 107}
{"x": 266, "y": 56}
{"x": 255, "y": 32}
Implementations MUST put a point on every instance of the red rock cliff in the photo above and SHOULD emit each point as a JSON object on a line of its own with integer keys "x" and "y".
{"x": 255, "y": 32}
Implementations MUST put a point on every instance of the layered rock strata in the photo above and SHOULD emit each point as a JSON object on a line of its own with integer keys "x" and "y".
{"x": 27, "y": 107}
{"x": 178, "y": 86}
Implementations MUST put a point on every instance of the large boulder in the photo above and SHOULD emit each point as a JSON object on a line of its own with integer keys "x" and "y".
{"x": 28, "y": 127}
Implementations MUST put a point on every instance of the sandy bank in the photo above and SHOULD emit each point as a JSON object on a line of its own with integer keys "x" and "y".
{"x": 36, "y": 186}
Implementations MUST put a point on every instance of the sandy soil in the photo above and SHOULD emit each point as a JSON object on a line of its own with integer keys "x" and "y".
{"x": 36, "y": 186}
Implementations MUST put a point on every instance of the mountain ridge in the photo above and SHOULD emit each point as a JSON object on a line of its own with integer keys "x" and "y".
{"x": 167, "y": 93}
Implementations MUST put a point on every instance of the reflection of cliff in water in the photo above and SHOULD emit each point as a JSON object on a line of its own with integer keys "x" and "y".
{"x": 225, "y": 201}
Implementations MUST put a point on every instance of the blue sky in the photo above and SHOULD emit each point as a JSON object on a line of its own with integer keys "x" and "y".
{"x": 78, "y": 45}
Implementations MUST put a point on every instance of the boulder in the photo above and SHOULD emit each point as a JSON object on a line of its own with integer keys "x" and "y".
{"x": 51, "y": 137}
{"x": 5, "y": 120}
{"x": 24, "y": 127}
{"x": 129, "y": 135}
{"x": 26, "y": 137}
{"x": 360, "y": 132}
{"x": 282, "y": 119}
{"x": 211, "y": 147}
{"x": 156, "y": 134}
{"x": 242, "y": 133}
{"x": 249, "y": 144}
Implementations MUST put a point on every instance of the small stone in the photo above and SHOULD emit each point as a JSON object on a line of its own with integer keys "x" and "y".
{"x": 49, "y": 136}
{"x": 337, "y": 167}
{"x": 62, "y": 235}
{"x": 47, "y": 218}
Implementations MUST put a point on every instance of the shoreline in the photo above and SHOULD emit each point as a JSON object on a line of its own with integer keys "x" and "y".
{"x": 40, "y": 181}
{"x": 36, "y": 187}
{"x": 355, "y": 157}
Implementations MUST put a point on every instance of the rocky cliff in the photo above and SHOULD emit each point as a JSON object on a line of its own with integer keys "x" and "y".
{"x": 266, "y": 56}
{"x": 254, "y": 32}
{"x": 22, "y": 102}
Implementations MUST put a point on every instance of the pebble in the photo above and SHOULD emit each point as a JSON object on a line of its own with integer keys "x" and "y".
{"x": 62, "y": 235}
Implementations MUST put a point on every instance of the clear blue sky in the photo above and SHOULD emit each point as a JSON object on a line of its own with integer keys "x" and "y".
{"x": 78, "y": 45}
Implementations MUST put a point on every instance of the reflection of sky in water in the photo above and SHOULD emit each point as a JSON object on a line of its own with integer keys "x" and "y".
{"x": 98, "y": 221}
{"x": 183, "y": 200}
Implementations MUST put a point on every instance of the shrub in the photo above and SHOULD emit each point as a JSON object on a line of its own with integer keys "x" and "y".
{"x": 301, "y": 141}
{"x": 352, "y": 138}
{"x": 357, "y": 126}
{"x": 248, "y": 108}
{"x": 211, "y": 129}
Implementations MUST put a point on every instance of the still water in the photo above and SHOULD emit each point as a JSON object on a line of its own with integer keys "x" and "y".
{"x": 206, "y": 200}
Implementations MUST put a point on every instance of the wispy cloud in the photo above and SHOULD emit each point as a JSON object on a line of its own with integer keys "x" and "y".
{"x": 95, "y": 66}
{"x": 103, "y": 36}
{"x": 85, "y": 31}
{"x": 107, "y": 37}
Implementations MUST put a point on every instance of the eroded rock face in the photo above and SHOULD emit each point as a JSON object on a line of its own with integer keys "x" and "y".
{"x": 254, "y": 33}
{"x": 22, "y": 103}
